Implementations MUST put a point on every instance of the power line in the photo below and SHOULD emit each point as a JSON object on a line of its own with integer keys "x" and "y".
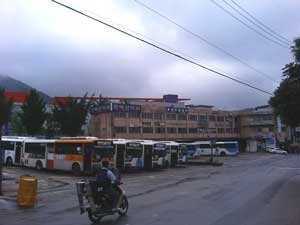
{"x": 261, "y": 23}
{"x": 256, "y": 24}
{"x": 151, "y": 39}
{"x": 162, "y": 49}
{"x": 205, "y": 40}
{"x": 245, "y": 24}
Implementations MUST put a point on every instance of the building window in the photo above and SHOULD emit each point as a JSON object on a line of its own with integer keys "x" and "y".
{"x": 120, "y": 114}
{"x": 229, "y": 130}
{"x": 193, "y": 117}
{"x": 283, "y": 129}
{"x": 221, "y": 130}
{"x": 160, "y": 130}
{"x": 182, "y": 130}
{"x": 158, "y": 116}
{"x": 212, "y": 118}
{"x": 120, "y": 130}
{"x": 147, "y": 115}
{"x": 134, "y": 130}
{"x": 171, "y": 130}
{"x": 147, "y": 130}
{"x": 235, "y": 130}
{"x": 212, "y": 130}
{"x": 220, "y": 119}
{"x": 193, "y": 130}
{"x": 134, "y": 114}
{"x": 202, "y": 118}
{"x": 146, "y": 124}
{"x": 258, "y": 129}
{"x": 202, "y": 130}
{"x": 171, "y": 116}
{"x": 182, "y": 117}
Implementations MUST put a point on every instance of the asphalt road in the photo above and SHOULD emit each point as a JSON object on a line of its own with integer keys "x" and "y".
{"x": 251, "y": 189}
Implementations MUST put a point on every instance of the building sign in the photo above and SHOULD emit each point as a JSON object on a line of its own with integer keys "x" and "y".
{"x": 126, "y": 107}
{"x": 101, "y": 108}
{"x": 177, "y": 110}
{"x": 108, "y": 107}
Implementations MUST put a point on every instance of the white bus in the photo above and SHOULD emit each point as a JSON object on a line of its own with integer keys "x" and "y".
{"x": 159, "y": 155}
{"x": 172, "y": 156}
{"x": 11, "y": 148}
{"x": 227, "y": 148}
{"x": 38, "y": 153}
{"x": 134, "y": 155}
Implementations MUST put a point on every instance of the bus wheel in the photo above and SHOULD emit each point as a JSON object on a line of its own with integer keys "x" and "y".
{"x": 39, "y": 165}
{"x": 9, "y": 162}
{"x": 222, "y": 154}
{"x": 76, "y": 169}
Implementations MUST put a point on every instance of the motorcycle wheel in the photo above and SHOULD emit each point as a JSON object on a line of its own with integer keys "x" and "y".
{"x": 124, "y": 206}
{"x": 93, "y": 218}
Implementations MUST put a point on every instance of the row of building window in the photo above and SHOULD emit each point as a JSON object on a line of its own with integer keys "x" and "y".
{"x": 174, "y": 130}
{"x": 169, "y": 116}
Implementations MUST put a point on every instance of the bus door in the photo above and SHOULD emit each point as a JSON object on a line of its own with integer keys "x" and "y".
{"x": 147, "y": 157}
{"x": 87, "y": 158}
{"x": 120, "y": 151}
{"x": 50, "y": 156}
{"x": 18, "y": 152}
{"x": 174, "y": 155}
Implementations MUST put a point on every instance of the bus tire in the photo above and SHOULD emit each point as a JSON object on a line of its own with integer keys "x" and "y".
{"x": 76, "y": 169}
{"x": 8, "y": 162}
{"x": 39, "y": 165}
{"x": 223, "y": 154}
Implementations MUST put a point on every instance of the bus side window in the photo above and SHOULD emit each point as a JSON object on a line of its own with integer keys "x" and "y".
{"x": 50, "y": 148}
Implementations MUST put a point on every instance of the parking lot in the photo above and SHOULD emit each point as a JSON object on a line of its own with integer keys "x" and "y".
{"x": 247, "y": 189}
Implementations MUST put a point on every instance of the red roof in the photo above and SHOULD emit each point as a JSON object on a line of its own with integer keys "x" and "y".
{"x": 18, "y": 97}
{"x": 65, "y": 99}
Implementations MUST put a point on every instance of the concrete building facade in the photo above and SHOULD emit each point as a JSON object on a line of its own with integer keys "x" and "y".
{"x": 163, "y": 121}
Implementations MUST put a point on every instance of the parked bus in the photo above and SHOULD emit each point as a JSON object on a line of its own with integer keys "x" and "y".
{"x": 134, "y": 155}
{"x": 11, "y": 148}
{"x": 159, "y": 155}
{"x": 204, "y": 148}
{"x": 82, "y": 155}
{"x": 37, "y": 153}
{"x": 172, "y": 156}
{"x": 227, "y": 148}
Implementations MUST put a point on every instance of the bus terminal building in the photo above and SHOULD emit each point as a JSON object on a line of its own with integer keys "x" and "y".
{"x": 170, "y": 118}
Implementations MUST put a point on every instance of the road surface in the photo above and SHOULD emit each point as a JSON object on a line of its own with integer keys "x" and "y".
{"x": 250, "y": 189}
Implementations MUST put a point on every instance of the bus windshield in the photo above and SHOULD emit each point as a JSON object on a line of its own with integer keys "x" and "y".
{"x": 134, "y": 150}
{"x": 160, "y": 150}
{"x": 103, "y": 150}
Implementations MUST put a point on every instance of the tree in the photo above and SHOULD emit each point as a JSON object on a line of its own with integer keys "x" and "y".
{"x": 17, "y": 126}
{"x": 5, "y": 113}
{"x": 286, "y": 99}
{"x": 33, "y": 113}
{"x": 71, "y": 114}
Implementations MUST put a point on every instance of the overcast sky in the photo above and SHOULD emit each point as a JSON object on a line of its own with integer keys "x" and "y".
{"x": 63, "y": 53}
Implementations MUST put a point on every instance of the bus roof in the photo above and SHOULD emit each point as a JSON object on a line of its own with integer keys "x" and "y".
{"x": 201, "y": 142}
{"x": 75, "y": 141}
{"x": 168, "y": 143}
{"x": 227, "y": 142}
{"x": 39, "y": 141}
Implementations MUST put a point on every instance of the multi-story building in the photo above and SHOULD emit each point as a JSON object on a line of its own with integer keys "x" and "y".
{"x": 260, "y": 128}
{"x": 163, "y": 119}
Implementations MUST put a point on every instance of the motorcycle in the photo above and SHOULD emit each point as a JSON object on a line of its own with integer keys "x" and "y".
{"x": 97, "y": 203}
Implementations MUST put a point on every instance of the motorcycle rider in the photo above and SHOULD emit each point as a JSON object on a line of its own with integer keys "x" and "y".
{"x": 107, "y": 180}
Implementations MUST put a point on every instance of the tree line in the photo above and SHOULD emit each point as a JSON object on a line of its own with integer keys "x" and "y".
{"x": 63, "y": 118}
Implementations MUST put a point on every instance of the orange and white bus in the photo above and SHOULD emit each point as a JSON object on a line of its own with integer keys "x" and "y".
{"x": 80, "y": 155}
